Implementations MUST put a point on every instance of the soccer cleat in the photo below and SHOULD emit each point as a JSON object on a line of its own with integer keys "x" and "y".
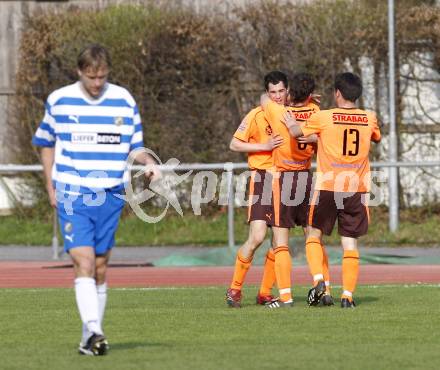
{"x": 327, "y": 300}
{"x": 233, "y": 298}
{"x": 276, "y": 303}
{"x": 315, "y": 294}
{"x": 347, "y": 303}
{"x": 264, "y": 299}
{"x": 96, "y": 345}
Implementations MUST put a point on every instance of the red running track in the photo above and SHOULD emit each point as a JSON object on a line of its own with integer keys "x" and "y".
{"x": 60, "y": 275}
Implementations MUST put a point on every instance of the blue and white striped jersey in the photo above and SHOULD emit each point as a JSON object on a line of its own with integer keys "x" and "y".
{"x": 92, "y": 139}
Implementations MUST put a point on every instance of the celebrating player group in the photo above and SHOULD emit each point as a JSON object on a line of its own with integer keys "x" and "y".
{"x": 281, "y": 136}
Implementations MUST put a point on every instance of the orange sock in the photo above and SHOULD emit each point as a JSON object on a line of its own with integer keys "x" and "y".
{"x": 350, "y": 272}
{"x": 315, "y": 258}
{"x": 241, "y": 268}
{"x": 325, "y": 269}
{"x": 268, "y": 274}
{"x": 283, "y": 269}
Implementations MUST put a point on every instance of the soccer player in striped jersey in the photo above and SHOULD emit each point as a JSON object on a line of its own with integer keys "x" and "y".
{"x": 254, "y": 136}
{"x": 344, "y": 134}
{"x": 86, "y": 135}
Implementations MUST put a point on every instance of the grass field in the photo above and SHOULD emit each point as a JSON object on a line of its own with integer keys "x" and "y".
{"x": 393, "y": 327}
{"x": 211, "y": 230}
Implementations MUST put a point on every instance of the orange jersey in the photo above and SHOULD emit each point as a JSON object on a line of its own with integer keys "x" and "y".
{"x": 291, "y": 155}
{"x": 344, "y": 142}
{"x": 255, "y": 129}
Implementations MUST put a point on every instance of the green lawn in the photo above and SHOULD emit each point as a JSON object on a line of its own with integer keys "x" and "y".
{"x": 211, "y": 230}
{"x": 393, "y": 327}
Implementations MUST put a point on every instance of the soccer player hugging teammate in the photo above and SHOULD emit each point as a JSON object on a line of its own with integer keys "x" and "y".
{"x": 291, "y": 182}
{"x": 302, "y": 105}
{"x": 87, "y": 132}
{"x": 254, "y": 136}
{"x": 343, "y": 182}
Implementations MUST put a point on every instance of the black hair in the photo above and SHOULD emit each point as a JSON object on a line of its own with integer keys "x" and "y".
{"x": 350, "y": 86}
{"x": 275, "y": 77}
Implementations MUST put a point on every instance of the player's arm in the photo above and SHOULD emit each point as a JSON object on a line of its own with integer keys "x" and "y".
{"x": 45, "y": 138}
{"x": 273, "y": 112}
{"x": 137, "y": 151}
{"x": 238, "y": 145}
{"x": 311, "y": 139}
{"x": 316, "y": 98}
{"x": 264, "y": 101}
{"x": 291, "y": 124}
{"x": 311, "y": 128}
{"x": 295, "y": 132}
{"x": 152, "y": 171}
{"x": 47, "y": 160}
{"x": 375, "y": 135}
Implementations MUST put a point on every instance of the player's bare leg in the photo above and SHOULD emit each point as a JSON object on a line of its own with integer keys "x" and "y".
{"x": 101, "y": 283}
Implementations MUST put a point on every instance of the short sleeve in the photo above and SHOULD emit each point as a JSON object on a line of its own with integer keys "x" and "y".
{"x": 45, "y": 134}
{"x": 137, "y": 140}
{"x": 244, "y": 131}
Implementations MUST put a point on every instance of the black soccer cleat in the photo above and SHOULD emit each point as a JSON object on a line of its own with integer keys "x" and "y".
{"x": 96, "y": 345}
{"x": 315, "y": 294}
{"x": 327, "y": 300}
{"x": 346, "y": 303}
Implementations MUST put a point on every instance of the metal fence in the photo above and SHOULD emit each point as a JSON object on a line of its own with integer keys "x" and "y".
{"x": 229, "y": 167}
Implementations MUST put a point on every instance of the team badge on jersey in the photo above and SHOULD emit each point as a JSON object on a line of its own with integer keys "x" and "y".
{"x": 119, "y": 121}
{"x": 268, "y": 130}
{"x": 68, "y": 227}
{"x": 242, "y": 126}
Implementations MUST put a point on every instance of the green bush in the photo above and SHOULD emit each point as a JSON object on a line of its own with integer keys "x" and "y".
{"x": 178, "y": 65}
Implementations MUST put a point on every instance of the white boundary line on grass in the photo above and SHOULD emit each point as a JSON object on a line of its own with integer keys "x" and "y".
{"x": 38, "y": 290}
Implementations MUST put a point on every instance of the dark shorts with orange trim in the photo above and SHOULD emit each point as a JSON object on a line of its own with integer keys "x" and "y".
{"x": 290, "y": 198}
{"x": 260, "y": 195}
{"x": 349, "y": 209}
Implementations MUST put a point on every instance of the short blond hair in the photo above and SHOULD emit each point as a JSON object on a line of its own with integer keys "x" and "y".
{"x": 93, "y": 56}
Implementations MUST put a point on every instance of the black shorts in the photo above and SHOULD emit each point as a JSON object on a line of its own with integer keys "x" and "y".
{"x": 260, "y": 194}
{"x": 290, "y": 198}
{"x": 351, "y": 211}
